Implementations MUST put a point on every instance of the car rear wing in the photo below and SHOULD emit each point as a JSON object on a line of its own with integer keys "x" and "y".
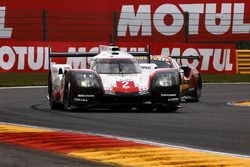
{"x": 66, "y": 54}
{"x": 147, "y": 53}
{"x": 141, "y": 54}
{"x": 92, "y": 54}
{"x": 135, "y": 54}
{"x": 186, "y": 57}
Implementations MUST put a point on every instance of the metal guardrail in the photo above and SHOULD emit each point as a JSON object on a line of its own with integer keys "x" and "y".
{"x": 243, "y": 61}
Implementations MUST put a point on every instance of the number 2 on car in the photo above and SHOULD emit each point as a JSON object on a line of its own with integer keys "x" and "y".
{"x": 125, "y": 84}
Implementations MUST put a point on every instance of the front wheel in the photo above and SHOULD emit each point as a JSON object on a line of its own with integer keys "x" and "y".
{"x": 53, "y": 105}
{"x": 66, "y": 98}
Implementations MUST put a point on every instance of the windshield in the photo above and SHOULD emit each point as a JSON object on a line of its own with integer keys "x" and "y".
{"x": 162, "y": 64}
{"x": 117, "y": 66}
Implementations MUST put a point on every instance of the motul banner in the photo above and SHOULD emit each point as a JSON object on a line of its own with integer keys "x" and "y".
{"x": 184, "y": 21}
{"x": 33, "y": 56}
{"x": 144, "y": 20}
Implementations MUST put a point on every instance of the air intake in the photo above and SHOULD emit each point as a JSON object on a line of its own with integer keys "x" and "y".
{"x": 115, "y": 48}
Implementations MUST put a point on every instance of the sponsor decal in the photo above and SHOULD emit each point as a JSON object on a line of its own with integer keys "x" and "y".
{"x": 80, "y": 100}
{"x": 33, "y": 57}
{"x": 146, "y": 67}
{"x": 220, "y": 58}
{"x": 173, "y": 99}
{"x": 22, "y": 58}
{"x": 81, "y": 95}
{"x": 168, "y": 95}
{"x": 214, "y": 58}
{"x": 145, "y": 19}
{"x": 125, "y": 87}
{"x": 4, "y": 31}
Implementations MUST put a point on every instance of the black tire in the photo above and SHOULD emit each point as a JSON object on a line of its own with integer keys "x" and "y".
{"x": 49, "y": 84}
{"x": 197, "y": 91}
{"x": 66, "y": 98}
{"x": 53, "y": 105}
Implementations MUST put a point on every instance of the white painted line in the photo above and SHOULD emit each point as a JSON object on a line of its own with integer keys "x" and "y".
{"x": 152, "y": 143}
{"x": 228, "y": 83}
{"x": 23, "y": 87}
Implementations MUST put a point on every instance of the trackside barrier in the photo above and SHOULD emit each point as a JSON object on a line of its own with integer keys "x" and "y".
{"x": 243, "y": 61}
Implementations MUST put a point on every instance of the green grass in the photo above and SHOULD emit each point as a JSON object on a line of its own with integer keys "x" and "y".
{"x": 219, "y": 78}
{"x": 40, "y": 79}
{"x": 23, "y": 79}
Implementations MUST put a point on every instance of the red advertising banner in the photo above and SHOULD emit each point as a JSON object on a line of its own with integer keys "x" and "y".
{"x": 143, "y": 20}
{"x": 33, "y": 56}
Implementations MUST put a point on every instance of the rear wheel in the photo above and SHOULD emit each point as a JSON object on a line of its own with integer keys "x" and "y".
{"x": 197, "y": 91}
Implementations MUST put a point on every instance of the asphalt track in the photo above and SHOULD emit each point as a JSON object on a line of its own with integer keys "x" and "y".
{"x": 210, "y": 124}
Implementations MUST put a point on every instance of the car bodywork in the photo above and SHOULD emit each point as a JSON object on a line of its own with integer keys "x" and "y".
{"x": 191, "y": 82}
{"x": 114, "y": 78}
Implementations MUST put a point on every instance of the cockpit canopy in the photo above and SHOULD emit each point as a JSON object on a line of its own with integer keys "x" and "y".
{"x": 116, "y": 66}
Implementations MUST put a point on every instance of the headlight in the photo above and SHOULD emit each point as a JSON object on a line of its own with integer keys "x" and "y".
{"x": 164, "y": 82}
{"x": 87, "y": 80}
{"x": 166, "y": 79}
{"x": 85, "y": 84}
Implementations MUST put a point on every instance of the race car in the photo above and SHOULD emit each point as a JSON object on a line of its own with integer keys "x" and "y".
{"x": 114, "y": 78}
{"x": 191, "y": 82}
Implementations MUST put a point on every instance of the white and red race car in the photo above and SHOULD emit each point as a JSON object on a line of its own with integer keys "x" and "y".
{"x": 114, "y": 78}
